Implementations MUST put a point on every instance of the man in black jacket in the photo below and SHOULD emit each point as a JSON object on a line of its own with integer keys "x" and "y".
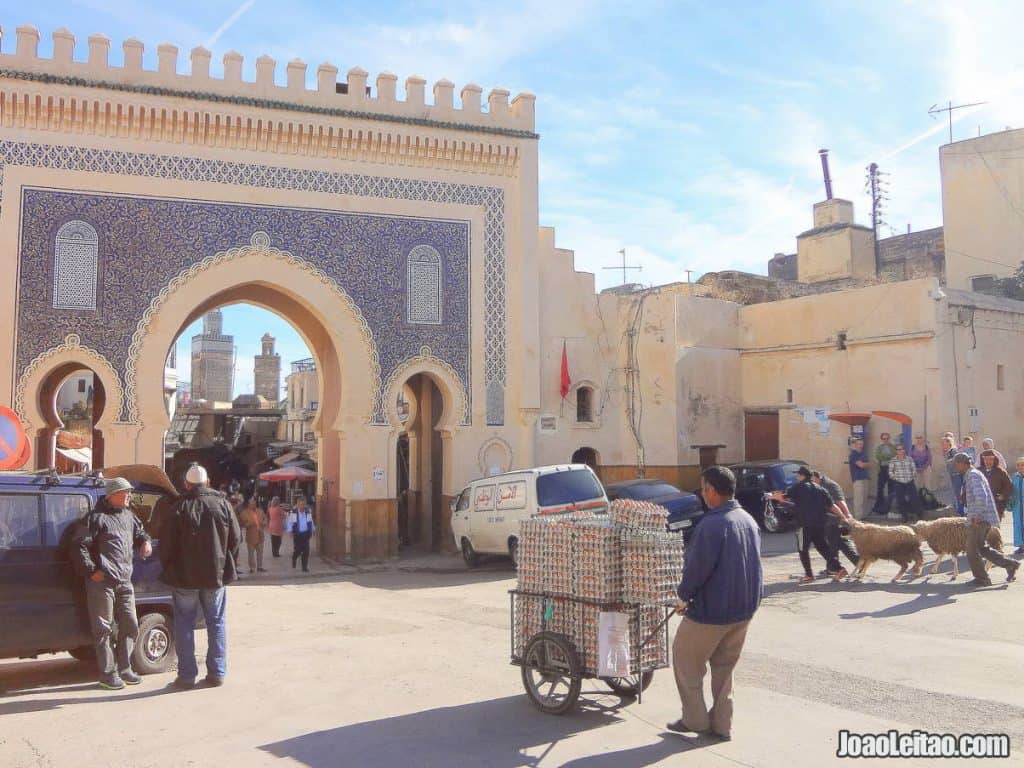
{"x": 834, "y": 530}
{"x": 813, "y": 505}
{"x": 102, "y": 553}
{"x": 199, "y": 551}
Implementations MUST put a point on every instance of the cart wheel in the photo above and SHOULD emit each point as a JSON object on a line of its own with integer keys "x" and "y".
{"x": 552, "y": 675}
{"x": 630, "y": 686}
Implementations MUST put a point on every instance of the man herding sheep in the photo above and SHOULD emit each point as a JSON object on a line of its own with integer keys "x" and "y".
{"x": 980, "y": 509}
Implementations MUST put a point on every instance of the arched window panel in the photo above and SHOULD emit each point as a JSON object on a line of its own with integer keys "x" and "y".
{"x": 423, "y": 286}
{"x": 75, "y": 264}
{"x": 584, "y": 404}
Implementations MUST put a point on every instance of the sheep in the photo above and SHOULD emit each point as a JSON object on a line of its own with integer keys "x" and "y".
{"x": 881, "y": 542}
{"x": 948, "y": 536}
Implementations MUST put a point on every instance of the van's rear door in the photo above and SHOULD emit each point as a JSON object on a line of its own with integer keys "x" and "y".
{"x": 566, "y": 490}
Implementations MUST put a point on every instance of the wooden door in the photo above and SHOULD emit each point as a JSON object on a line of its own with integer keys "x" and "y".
{"x": 761, "y": 436}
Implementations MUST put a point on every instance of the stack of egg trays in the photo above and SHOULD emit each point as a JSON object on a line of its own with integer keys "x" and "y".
{"x": 529, "y": 619}
{"x": 597, "y": 561}
{"x": 652, "y": 565}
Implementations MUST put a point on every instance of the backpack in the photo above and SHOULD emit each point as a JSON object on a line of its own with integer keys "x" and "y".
{"x": 928, "y": 500}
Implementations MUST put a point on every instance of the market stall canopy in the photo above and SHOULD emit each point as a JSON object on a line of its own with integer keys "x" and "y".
{"x": 284, "y": 458}
{"x": 77, "y": 455}
{"x": 285, "y": 474}
{"x": 852, "y": 419}
{"x": 145, "y": 474}
{"x": 902, "y": 418}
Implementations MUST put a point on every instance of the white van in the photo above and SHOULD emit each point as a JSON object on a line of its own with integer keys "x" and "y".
{"x": 486, "y": 515}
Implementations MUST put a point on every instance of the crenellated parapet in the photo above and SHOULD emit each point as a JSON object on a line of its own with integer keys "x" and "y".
{"x": 352, "y": 97}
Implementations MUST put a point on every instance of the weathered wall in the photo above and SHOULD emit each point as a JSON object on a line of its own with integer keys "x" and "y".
{"x": 982, "y": 190}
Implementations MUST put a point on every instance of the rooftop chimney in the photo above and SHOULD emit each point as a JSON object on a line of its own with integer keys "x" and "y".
{"x": 824, "y": 170}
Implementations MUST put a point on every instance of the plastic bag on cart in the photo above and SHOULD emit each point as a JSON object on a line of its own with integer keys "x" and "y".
{"x": 613, "y": 645}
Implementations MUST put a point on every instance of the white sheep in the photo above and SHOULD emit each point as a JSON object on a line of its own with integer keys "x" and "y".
{"x": 882, "y": 542}
{"x": 947, "y": 536}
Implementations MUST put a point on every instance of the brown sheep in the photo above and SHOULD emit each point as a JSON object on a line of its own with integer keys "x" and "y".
{"x": 948, "y": 536}
{"x": 883, "y": 542}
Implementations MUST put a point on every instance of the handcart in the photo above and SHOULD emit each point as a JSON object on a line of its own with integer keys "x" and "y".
{"x": 554, "y": 643}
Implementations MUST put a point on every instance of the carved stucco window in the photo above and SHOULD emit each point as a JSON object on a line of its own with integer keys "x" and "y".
{"x": 75, "y": 264}
{"x": 423, "y": 286}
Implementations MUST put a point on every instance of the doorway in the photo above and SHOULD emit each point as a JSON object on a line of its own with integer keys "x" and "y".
{"x": 761, "y": 435}
{"x": 427, "y": 515}
{"x": 72, "y": 400}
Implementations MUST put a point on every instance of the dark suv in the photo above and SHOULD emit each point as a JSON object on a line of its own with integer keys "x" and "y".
{"x": 756, "y": 478}
{"x": 42, "y": 599}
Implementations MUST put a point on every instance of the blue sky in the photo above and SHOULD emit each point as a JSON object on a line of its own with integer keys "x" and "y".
{"x": 686, "y": 133}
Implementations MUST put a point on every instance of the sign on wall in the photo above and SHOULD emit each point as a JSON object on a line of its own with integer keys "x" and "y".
{"x": 14, "y": 446}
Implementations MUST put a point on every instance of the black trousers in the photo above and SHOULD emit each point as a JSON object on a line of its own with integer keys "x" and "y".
{"x": 839, "y": 543}
{"x": 906, "y": 495}
{"x": 275, "y": 545}
{"x": 816, "y": 535}
{"x": 300, "y": 547}
{"x": 883, "y": 494}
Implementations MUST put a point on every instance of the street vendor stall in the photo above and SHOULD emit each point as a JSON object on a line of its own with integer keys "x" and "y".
{"x": 592, "y": 601}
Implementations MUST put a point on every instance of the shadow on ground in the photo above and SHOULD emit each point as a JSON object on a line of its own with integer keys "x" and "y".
{"x": 500, "y": 733}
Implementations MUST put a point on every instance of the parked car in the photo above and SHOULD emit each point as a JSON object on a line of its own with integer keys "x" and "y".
{"x": 42, "y": 599}
{"x": 684, "y": 508}
{"x": 754, "y": 479}
{"x": 486, "y": 515}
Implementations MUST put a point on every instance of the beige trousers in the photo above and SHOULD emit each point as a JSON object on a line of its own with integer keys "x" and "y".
{"x": 860, "y": 499}
{"x": 695, "y": 647}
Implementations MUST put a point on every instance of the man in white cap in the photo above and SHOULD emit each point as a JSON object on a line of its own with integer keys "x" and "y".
{"x": 102, "y": 553}
{"x": 199, "y": 552}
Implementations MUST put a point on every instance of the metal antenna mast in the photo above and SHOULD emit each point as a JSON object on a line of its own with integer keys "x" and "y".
{"x": 624, "y": 266}
{"x": 935, "y": 110}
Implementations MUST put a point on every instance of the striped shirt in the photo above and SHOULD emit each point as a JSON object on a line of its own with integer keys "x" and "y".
{"x": 902, "y": 470}
{"x": 977, "y": 495}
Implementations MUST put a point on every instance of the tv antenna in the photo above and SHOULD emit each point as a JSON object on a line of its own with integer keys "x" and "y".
{"x": 624, "y": 267}
{"x": 935, "y": 110}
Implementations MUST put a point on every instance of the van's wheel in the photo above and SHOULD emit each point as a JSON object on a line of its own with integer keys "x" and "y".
{"x": 84, "y": 653}
{"x": 154, "y": 650}
{"x": 469, "y": 554}
{"x": 513, "y": 551}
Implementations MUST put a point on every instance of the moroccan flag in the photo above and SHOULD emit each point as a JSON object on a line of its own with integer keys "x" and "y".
{"x": 566, "y": 381}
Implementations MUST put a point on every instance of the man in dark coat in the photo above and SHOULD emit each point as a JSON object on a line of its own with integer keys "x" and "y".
{"x": 719, "y": 593}
{"x": 199, "y": 552}
{"x": 813, "y": 506}
{"x": 102, "y": 552}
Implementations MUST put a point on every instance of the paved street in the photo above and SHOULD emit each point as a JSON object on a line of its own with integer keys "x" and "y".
{"x": 398, "y": 668}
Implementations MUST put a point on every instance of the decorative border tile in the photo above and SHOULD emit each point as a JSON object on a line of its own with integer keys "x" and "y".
{"x": 490, "y": 199}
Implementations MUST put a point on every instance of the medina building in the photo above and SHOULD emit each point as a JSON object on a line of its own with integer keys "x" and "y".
{"x": 400, "y": 235}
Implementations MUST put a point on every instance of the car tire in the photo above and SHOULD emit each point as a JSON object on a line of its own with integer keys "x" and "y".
{"x": 154, "y": 650}
{"x": 84, "y": 653}
{"x": 469, "y": 555}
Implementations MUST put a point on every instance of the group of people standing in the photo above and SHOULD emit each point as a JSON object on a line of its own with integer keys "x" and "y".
{"x": 199, "y": 552}
{"x": 256, "y": 522}
{"x": 901, "y": 475}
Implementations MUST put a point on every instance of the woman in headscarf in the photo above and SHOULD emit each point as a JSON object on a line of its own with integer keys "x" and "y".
{"x": 277, "y": 515}
{"x": 251, "y": 519}
{"x": 1017, "y": 507}
{"x": 998, "y": 480}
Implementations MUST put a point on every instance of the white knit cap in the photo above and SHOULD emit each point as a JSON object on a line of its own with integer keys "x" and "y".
{"x": 196, "y": 475}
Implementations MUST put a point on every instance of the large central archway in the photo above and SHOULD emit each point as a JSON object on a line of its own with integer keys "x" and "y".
{"x": 332, "y": 328}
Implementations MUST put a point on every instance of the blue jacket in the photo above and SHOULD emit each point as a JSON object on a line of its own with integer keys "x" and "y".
{"x": 722, "y": 576}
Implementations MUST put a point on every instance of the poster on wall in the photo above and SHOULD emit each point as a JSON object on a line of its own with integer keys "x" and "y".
{"x": 821, "y": 416}
{"x": 809, "y": 415}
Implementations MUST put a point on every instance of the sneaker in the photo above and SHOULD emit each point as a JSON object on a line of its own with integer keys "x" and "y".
{"x": 1011, "y": 573}
{"x": 130, "y": 678}
{"x": 806, "y": 579}
{"x": 979, "y": 583}
{"x": 840, "y": 574}
{"x": 213, "y": 681}
{"x": 111, "y": 683}
{"x": 262, "y": 570}
{"x": 181, "y": 684}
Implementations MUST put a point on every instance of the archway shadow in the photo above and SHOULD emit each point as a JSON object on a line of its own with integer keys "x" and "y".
{"x": 500, "y": 733}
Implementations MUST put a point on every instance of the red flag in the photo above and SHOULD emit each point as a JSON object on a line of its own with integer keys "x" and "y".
{"x": 566, "y": 381}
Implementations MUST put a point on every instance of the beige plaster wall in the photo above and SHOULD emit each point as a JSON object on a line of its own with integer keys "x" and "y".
{"x": 982, "y": 189}
{"x": 891, "y": 362}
